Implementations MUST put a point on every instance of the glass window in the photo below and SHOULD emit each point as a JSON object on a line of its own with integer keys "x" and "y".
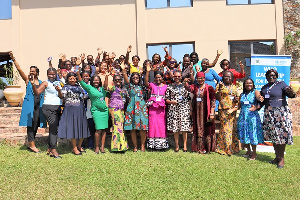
{"x": 5, "y": 9}
{"x": 242, "y": 50}
{"x": 168, "y": 3}
{"x": 239, "y": 2}
{"x": 176, "y": 50}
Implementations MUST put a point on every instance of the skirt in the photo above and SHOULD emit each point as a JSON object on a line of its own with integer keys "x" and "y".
{"x": 277, "y": 125}
{"x": 73, "y": 123}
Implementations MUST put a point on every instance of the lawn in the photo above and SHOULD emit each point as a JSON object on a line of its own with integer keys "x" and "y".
{"x": 155, "y": 175}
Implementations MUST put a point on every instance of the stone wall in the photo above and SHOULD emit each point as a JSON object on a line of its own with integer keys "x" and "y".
{"x": 291, "y": 10}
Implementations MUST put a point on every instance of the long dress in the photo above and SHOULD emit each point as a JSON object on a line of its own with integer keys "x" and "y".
{"x": 178, "y": 116}
{"x": 204, "y": 137}
{"x": 73, "y": 123}
{"x": 98, "y": 108}
{"x": 157, "y": 134}
{"x": 136, "y": 115}
{"x": 116, "y": 110}
{"x": 210, "y": 78}
{"x": 227, "y": 140}
{"x": 249, "y": 125}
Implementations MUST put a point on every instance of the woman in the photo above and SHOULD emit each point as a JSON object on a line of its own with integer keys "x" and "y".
{"x": 31, "y": 116}
{"x": 171, "y": 68}
{"x": 134, "y": 67}
{"x": 178, "y": 115}
{"x": 51, "y": 107}
{"x": 227, "y": 141}
{"x": 249, "y": 126}
{"x": 136, "y": 115}
{"x": 98, "y": 107}
{"x": 210, "y": 74}
{"x": 225, "y": 65}
{"x": 197, "y": 67}
{"x": 277, "y": 123}
{"x": 204, "y": 138}
{"x": 73, "y": 124}
{"x": 116, "y": 110}
{"x": 157, "y": 134}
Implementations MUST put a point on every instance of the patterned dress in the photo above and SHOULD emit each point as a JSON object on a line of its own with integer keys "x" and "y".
{"x": 227, "y": 140}
{"x": 249, "y": 125}
{"x": 136, "y": 115}
{"x": 116, "y": 110}
{"x": 204, "y": 137}
{"x": 178, "y": 116}
{"x": 157, "y": 134}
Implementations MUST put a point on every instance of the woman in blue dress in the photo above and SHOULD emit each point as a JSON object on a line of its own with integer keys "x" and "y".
{"x": 210, "y": 74}
{"x": 136, "y": 115}
{"x": 249, "y": 125}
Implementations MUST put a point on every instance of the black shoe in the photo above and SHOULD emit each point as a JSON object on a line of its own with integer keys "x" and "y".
{"x": 54, "y": 156}
{"x": 30, "y": 149}
{"x": 79, "y": 154}
{"x": 184, "y": 150}
{"x": 82, "y": 150}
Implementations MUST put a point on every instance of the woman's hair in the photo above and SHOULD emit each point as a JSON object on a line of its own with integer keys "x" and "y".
{"x": 231, "y": 74}
{"x": 84, "y": 68}
{"x": 244, "y": 83}
{"x": 69, "y": 75}
{"x": 131, "y": 77}
{"x": 136, "y": 56}
{"x": 116, "y": 75}
{"x": 145, "y": 65}
{"x": 194, "y": 53}
{"x": 85, "y": 72}
{"x": 93, "y": 78}
{"x": 160, "y": 73}
{"x": 155, "y": 55}
{"x": 270, "y": 71}
{"x": 51, "y": 69}
{"x": 36, "y": 69}
{"x": 177, "y": 71}
{"x": 222, "y": 61}
{"x": 205, "y": 60}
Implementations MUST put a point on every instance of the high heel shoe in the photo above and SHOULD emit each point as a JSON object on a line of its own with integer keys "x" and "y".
{"x": 54, "y": 156}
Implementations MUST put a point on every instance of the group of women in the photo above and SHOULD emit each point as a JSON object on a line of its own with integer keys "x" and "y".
{"x": 152, "y": 100}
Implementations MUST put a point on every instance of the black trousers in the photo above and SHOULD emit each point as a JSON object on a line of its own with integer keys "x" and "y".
{"x": 31, "y": 131}
{"x": 52, "y": 114}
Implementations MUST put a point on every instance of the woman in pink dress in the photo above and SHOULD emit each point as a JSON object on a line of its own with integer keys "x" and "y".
{"x": 157, "y": 134}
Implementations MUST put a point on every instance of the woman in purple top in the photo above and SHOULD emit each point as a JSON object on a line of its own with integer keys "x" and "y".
{"x": 277, "y": 123}
{"x": 157, "y": 134}
{"x": 116, "y": 110}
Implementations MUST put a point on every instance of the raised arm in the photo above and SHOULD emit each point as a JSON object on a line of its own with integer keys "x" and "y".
{"x": 147, "y": 74}
{"x": 79, "y": 78}
{"x": 219, "y": 52}
{"x": 107, "y": 73}
{"x": 21, "y": 72}
{"x": 82, "y": 58}
{"x": 127, "y": 55}
{"x": 126, "y": 80}
{"x": 242, "y": 69}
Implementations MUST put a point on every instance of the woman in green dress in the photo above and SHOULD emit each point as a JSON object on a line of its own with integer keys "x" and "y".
{"x": 99, "y": 108}
{"x": 136, "y": 115}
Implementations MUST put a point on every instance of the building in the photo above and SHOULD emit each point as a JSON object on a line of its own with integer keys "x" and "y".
{"x": 37, "y": 29}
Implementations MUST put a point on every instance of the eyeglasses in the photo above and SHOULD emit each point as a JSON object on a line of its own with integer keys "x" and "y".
{"x": 172, "y": 62}
{"x": 176, "y": 76}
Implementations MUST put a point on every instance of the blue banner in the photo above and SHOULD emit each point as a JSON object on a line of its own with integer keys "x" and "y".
{"x": 260, "y": 64}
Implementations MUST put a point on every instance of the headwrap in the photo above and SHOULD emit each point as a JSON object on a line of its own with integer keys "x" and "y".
{"x": 63, "y": 70}
{"x": 200, "y": 74}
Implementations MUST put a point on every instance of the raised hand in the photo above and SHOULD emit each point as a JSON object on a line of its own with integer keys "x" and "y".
{"x": 241, "y": 64}
{"x": 148, "y": 67}
{"x": 123, "y": 66}
{"x": 219, "y": 51}
{"x": 165, "y": 49}
{"x": 64, "y": 58}
{"x": 82, "y": 57}
{"x": 60, "y": 56}
{"x": 11, "y": 55}
{"x": 100, "y": 51}
{"x": 129, "y": 49}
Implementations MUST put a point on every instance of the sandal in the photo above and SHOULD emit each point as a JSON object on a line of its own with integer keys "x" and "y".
{"x": 34, "y": 150}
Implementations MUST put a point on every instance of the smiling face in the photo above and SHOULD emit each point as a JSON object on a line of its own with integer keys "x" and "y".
{"x": 204, "y": 65}
{"x": 200, "y": 80}
{"x": 193, "y": 59}
{"x": 225, "y": 65}
{"x": 73, "y": 61}
{"x": 135, "y": 79}
{"x": 86, "y": 77}
{"x": 118, "y": 81}
{"x": 248, "y": 85}
{"x": 72, "y": 80}
{"x": 156, "y": 59}
{"x": 172, "y": 63}
{"x": 158, "y": 79}
{"x": 186, "y": 62}
{"x": 90, "y": 59}
{"x": 51, "y": 76}
{"x": 135, "y": 61}
{"x": 177, "y": 77}
{"x": 272, "y": 78}
{"x": 68, "y": 65}
{"x": 96, "y": 82}
{"x": 33, "y": 72}
{"x": 227, "y": 79}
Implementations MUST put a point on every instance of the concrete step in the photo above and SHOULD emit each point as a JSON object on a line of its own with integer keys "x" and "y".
{"x": 10, "y": 110}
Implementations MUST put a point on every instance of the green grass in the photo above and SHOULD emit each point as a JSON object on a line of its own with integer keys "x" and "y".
{"x": 155, "y": 175}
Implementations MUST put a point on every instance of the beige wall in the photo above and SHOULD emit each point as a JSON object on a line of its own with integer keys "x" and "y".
{"x": 43, "y": 28}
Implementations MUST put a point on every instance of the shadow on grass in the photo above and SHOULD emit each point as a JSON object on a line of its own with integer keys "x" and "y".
{"x": 260, "y": 157}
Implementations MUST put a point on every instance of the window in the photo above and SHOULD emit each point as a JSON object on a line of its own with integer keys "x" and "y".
{"x": 176, "y": 50}
{"x": 243, "y": 2}
{"x": 242, "y": 50}
{"x": 5, "y": 9}
{"x": 168, "y": 3}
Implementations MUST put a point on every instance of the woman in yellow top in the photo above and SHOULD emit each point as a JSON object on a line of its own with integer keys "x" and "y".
{"x": 134, "y": 66}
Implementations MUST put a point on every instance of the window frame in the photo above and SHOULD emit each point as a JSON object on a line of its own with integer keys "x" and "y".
{"x": 169, "y": 5}
{"x": 169, "y": 44}
{"x": 9, "y": 6}
{"x": 249, "y": 3}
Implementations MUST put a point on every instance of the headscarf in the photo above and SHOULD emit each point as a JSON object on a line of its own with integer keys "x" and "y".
{"x": 200, "y": 74}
